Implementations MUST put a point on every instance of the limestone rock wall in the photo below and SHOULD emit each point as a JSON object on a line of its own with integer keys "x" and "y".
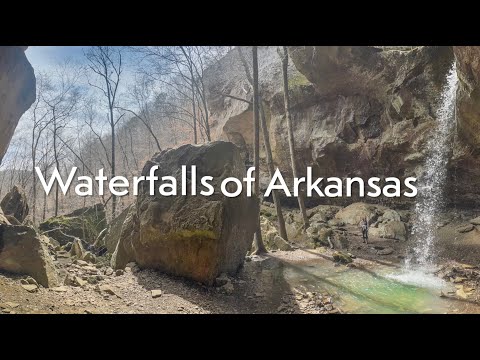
{"x": 357, "y": 111}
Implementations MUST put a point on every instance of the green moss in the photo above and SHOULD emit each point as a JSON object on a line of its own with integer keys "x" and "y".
{"x": 342, "y": 258}
{"x": 59, "y": 220}
{"x": 179, "y": 235}
{"x": 197, "y": 234}
{"x": 84, "y": 228}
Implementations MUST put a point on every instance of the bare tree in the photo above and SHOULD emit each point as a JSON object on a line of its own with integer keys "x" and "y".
{"x": 142, "y": 97}
{"x": 271, "y": 170}
{"x": 45, "y": 163}
{"x": 268, "y": 150}
{"x": 180, "y": 70}
{"x": 61, "y": 99}
{"x": 194, "y": 58}
{"x": 291, "y": 139}
{"x": 260, "y": 247}
{"x": 106, "y": 63}
{"x": 40, "y": 122}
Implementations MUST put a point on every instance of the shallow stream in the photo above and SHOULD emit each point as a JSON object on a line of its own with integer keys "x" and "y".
{"x": 379, "y": 289}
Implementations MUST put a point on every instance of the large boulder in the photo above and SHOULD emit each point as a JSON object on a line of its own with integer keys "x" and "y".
{"x": 391, "y": 229}
{"x": 271, "y": 236}
{"x": 15, "y": 203}
{"x": 85, "y": 223}
{"x": 17, "y": 91}
{"x": 124, "y": 251}
{"x": 115, "y": 230}
{"x": 354, "y": 213}
{"x": 197, "y": 237}
{"x": 322, "y": 213}
{"x": 23, "y": 251}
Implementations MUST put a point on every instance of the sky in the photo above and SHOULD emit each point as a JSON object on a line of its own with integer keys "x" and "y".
{"x": 43, "y": 57}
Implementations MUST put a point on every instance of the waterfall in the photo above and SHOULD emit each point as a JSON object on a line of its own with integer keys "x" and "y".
{"x": 431, "y": 184}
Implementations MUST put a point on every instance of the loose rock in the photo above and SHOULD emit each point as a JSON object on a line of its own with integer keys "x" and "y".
{"x": 342, "y": 258}
{"x": 465, "y": 228}
{"x": 475, "y": 221}
{"x": 80, "y": 262}
{"x": 30, "y": 288}
{"x": 89, "y": 257}
{"x": 119, "y": 272}
{"x": 156, "y": 293}
{"x": 59, "y": 289}
{"x": 386, "y": 251}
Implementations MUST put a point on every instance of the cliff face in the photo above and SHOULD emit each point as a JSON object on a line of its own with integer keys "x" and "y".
{"x": 468, "y": 94}
{"x": 358, "y": 111}
{"x": 17, "y": 91}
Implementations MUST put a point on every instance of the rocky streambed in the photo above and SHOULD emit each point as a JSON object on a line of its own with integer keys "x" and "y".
{"x": 284, "y": 282}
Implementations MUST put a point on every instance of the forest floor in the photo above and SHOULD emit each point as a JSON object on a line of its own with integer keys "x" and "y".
{"x": 260, "y": 286}
{"x": 257, "y": 289}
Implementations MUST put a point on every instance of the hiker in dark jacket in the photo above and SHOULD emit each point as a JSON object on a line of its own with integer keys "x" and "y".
{"x": 364, "y": 228}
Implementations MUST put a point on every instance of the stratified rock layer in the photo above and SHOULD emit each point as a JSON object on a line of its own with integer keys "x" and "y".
{"x": 357, "y": 111}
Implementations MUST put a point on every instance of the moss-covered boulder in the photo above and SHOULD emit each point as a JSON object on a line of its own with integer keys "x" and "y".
{"x": 322, "y": 236}
{"x": 390, "y": 230}
{"x": 197, "y": 237}
{"x": 85, "y": 223}
{"x": 342, "y": 258}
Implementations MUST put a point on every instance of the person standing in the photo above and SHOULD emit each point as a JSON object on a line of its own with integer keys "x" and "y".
{"x": 364, "y": 228}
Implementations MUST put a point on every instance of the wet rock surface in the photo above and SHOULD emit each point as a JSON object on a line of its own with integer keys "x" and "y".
{"x": 466, "y": 279}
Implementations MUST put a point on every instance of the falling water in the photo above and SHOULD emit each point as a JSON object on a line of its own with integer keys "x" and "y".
{"x": 430, "y": 199}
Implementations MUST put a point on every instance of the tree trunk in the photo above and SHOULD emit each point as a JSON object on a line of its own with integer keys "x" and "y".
{"x": 34, "y": 200}
{"x": 44, "y": 215}
{"x": 271, "y": 170}
{"x": 207, "y": 125}
{"x": 156, "y": 141}
{"x": 57, "y": 163}
{"x": 291, "y": 139}
{"x": 114, "y": 198}
{"x": 195, "y": 140}
{"x": 260, "y": 247}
